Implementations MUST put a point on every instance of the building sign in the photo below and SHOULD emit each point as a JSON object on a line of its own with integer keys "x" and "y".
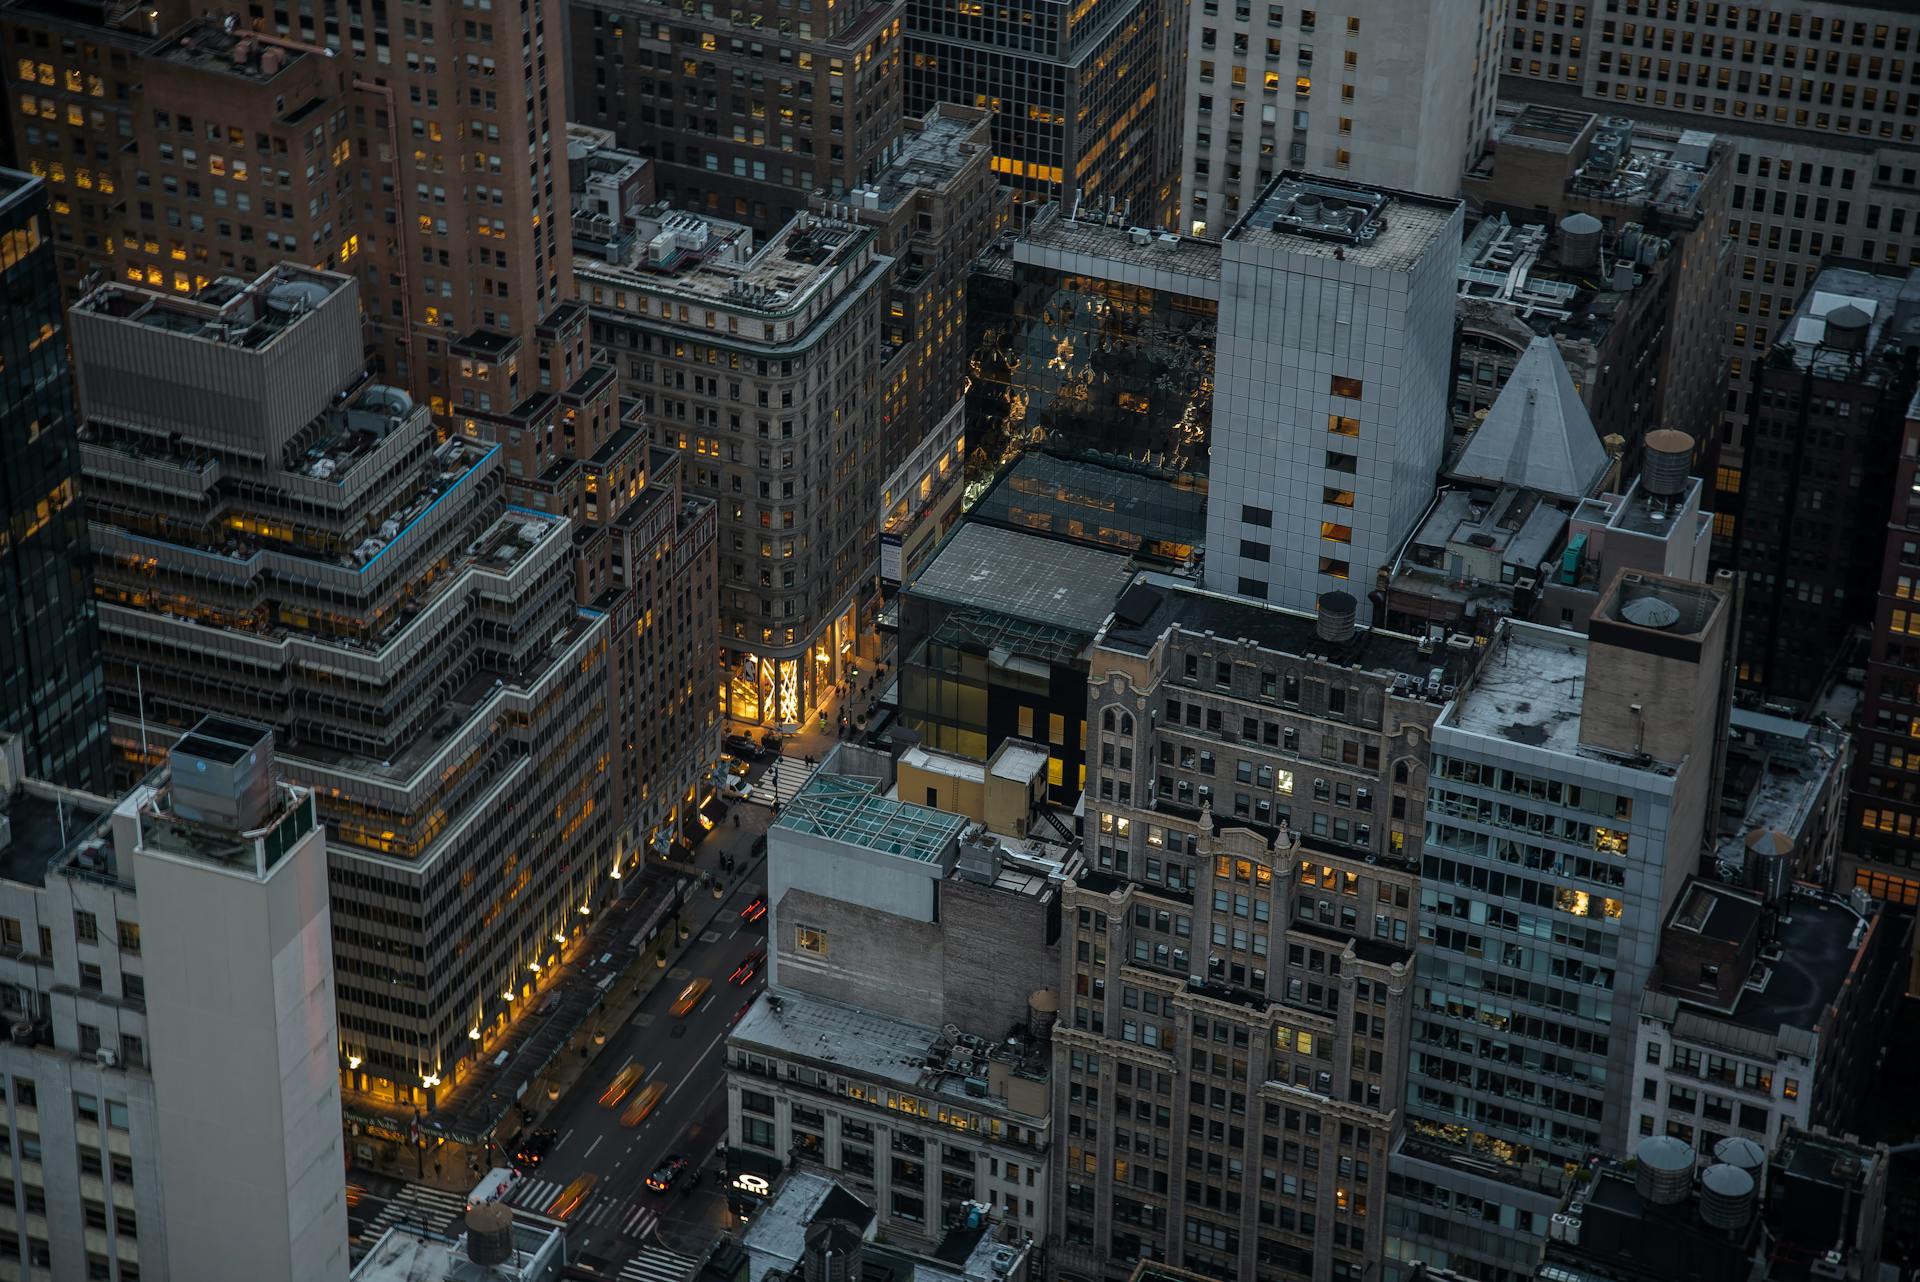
{"x": 758, "y": 1185}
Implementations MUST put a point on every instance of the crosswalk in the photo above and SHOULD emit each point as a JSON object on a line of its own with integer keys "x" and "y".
{"x": 417, "y": 1205}
{"x": 781, "y": 782}
{"x": 635, "y": 1217}
{"x": 655, "y": 1264}
{"x": 534, "y": 1195}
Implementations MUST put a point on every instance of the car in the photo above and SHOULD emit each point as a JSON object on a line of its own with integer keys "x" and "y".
{"x": 643, "y": 1104}
{"x": 570, "y": 1198}
{"x": 755, "y": 910}
{"x": 737, "y": 788}
{"x": 690, "y": 997}
{"x": 741, "y": 746}
{"x": 771, "y": 741}
{"x": 734, "y": 765}
{"x": 623, "y": 1082}
{"x": 749, "y": 967}
{"x": 533, "y": 1147}
{"x": 669, "y": 1170}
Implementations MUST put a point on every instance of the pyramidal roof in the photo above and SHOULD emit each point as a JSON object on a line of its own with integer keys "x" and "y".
{"x": 1537, "y": 435}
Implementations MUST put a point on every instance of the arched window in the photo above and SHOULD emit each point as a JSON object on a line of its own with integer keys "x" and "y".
{"x": 1399, "y": 772}
{"x": 1106, "y": 719}
{"x": 1126, "y": 723}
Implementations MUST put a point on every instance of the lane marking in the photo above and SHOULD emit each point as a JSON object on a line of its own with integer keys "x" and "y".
{"x": 696, "y": 1063}
{"x": 596, "y": 1144}
{"x": 562, "y": 1141}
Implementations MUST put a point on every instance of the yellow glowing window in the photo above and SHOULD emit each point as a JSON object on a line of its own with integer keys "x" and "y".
{"x": 1302, "y": 86}
{"x": 1338, "y": 498}
{"x": 1273, "y": 81}
{"x": 1336, "y": 533}
{"x": 1283, "y": 782}
{"x": 1343, "y": 425}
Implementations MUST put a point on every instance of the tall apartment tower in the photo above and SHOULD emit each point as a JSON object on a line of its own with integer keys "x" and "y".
{"x": 1828, "y": 408}
{"x": 159, "y": 939}
{"x": 1573, "y": 788}
{"x": 52, "y": 693}
{"x": 1237, "y": 984}
{"x": 1814, "y": 99}
{"x": 745, "y": 114}
{"x": 279, "y": 539}
{"x": 1333, "y": 374}
{"x": 1373, "y": 91}
{"x": 762, "y": 367}
{"x": 1081, "y": 95}
{"x": 410, "y": 150}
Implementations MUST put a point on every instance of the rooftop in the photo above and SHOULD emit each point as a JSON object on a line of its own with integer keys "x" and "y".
{"x": 217, "y": 44}
{"x": 1626, "y": 1238}
{"x": 1131, "y": 509}
{"x": 932, "y": 152}
{"x": 1777, "y": 773}
{"x": 1848, "y": 311}
{"x": 698, "y": 259}
{"x": 1805, "y": 954}
{"x": 1027, "y": 576}
{"x": 777, "y": 1238}
{"x": 1189, "y": 262}
{"x": 1632, "y": 162}
{"x": 1520, "y": 526}
{"x": 42, "y": 825}
{"x": 856, "y": 811}
{"x": 1528, "y": 690}
{"x": 230, "y": 312}
{"x": 15, "y": 186}
{"x": 883, "y": 1049}
{"x": 1156, "y": 602}
{"x": 408, "y": 1254}
{"x": 1322, "y": 217}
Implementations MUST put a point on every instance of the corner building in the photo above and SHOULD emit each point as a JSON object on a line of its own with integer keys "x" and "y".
{"x": 763, "y": 370}
{"x": 1237, "y": 962}
{"x": 280, "y": 539}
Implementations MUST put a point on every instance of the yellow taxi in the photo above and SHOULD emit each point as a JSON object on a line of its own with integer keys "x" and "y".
{"x": 690, "y": 997}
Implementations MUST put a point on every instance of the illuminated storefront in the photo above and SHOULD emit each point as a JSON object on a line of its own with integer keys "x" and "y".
{"x": 783, "y": 691}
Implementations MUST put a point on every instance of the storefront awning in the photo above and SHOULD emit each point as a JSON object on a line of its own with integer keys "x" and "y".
{"x": 714, "y": 809}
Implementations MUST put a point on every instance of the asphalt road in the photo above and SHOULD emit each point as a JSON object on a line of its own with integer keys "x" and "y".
{"x": 684, "y": 1055}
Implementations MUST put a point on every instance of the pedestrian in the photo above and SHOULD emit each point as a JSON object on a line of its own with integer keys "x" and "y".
{"x": 736, "y": 821}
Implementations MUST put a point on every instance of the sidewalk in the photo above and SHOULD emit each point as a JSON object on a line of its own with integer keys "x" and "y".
{"x": 850, "y": 698}
{"x": 629, "y": 989}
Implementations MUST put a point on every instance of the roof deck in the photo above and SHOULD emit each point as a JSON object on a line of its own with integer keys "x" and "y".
{"x": 856, "y": 811}
{"x": 1322, "y": 217}
{"x": 230, "y": 312}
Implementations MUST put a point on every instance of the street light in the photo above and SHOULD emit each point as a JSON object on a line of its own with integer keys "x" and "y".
{"x": 353, "y": 1063}
{"x": 430, "y": 1080}
{"x": 473, "y": 1034}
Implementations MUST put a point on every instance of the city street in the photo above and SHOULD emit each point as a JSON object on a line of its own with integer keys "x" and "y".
{"x": 682, "y": 1056}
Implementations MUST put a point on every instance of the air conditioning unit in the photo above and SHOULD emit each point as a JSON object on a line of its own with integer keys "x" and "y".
{"x": 107, "y": 1058}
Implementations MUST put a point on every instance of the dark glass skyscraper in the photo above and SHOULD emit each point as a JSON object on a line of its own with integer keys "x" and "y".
{"x": 51, "y": 688}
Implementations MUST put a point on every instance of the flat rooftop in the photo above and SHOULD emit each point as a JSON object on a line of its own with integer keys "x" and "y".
{"x": 1890, "y": 302}
{"x": 1528, "y": 690}
{"x": 407, "y": 1254}
{"x": 1188, "y": 260}
{"x": 857, "y": 811}
{"x": 44, "y": 825}
{"x": 209, "y": 44}
{"x": 14, "y": 187}
{"x": 230, "y": 312}
{"x": 1134, "y": 510}
{"x": 702, "y": 263}
{"x": 1625, "y": 1239}
{"x": 1816, "y": 937}
{"x": 930, "y": 156}
{"x": 1027, "y": 576}
{"x": 1156, "y": 602}
{"x": 777, "y": 1238}
{"x": 1320, "y": 217}
{"x": 880, "y": 1048}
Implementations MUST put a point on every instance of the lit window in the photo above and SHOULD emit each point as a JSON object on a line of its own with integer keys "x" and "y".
{"x": 1335, "y": 533}
{"x": 810, "y": 939}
